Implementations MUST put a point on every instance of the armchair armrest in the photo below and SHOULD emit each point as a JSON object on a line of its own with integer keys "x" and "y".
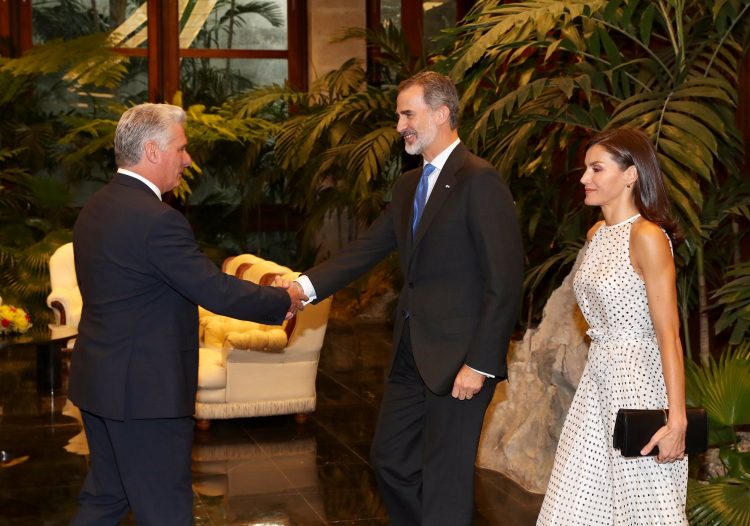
{"x": 66, "y": 302}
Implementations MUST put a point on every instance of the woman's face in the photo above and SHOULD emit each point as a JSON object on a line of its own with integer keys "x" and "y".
{"x": 604, "y": 181}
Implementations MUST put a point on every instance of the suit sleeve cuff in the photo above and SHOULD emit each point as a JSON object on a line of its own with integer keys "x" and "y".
{"x": 488, "y": 375}
{"x": 307, "y": 288}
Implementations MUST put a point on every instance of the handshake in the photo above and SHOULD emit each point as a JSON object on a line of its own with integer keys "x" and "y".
{"x": 296, "y": 294}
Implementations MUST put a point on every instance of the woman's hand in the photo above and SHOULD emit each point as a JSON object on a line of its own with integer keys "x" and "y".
{"x": 671, "y": 441}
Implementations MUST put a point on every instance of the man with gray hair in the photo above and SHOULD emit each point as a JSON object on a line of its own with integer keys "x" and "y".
{"x": 134, "y": 371}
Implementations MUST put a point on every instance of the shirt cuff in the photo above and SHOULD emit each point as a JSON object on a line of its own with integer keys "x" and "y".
{"x": 307, "y": 288}
{"x": 488, "y": 375}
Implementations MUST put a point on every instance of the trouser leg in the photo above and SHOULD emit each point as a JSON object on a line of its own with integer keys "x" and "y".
{"x": 451, "y": 437}
{"x": 141, "y": 464}
{"x": 102, "y": 500}
{"x": 397, "y": 444}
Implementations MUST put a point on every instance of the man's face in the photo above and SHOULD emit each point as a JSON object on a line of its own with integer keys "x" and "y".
{"x": 174, "y": 158}
{"x": 416, "y": 120}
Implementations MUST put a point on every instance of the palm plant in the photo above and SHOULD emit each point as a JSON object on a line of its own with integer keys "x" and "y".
{"x": 338, "y": 139}
{"x": 539, "y": 77}
{"x": 723, "y": 388}
{"x": 34, "y": 194}
{"x": 734, "y": 296}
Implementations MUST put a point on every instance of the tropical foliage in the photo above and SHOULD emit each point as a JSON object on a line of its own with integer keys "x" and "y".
{"x": 540, "y": 77}
{"x": 734, "y": 297}
{"x": 56, "y": 140}
{"x": 537, "y": 78}
{"x": 723, "y": 387}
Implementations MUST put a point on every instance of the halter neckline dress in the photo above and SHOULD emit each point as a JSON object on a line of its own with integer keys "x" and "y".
{"x": 591, "y": 483}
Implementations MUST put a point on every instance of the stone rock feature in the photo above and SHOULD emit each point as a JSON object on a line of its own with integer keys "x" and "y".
{"x": 523, "y": 423}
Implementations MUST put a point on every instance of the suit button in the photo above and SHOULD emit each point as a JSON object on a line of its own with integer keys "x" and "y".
{"x": 411, "y": 284}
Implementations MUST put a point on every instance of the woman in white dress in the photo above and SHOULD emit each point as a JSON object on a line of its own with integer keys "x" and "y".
{"x": 625, "y": 287}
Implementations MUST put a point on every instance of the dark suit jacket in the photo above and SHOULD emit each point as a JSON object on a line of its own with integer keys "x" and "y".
{"x": 463, "y": 270}
{"x": 141, "y": 276}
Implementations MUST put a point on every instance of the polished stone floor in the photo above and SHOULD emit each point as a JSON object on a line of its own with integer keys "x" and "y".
{"x": 262, "y": 471}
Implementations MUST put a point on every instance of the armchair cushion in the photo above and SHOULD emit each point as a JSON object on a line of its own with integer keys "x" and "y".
{"x": 220, "y": 332}
{"x": 213, "y": 371}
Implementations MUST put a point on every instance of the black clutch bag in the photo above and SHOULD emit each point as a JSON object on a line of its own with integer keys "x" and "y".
{"x": 635, "y": 427}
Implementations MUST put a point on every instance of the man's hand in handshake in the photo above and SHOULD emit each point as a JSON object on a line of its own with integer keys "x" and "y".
{"x": 295, "y": 294}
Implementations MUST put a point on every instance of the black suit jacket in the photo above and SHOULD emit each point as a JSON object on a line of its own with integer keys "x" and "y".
{"x": 463, "y": 270}
{"x": 141, "y": 276}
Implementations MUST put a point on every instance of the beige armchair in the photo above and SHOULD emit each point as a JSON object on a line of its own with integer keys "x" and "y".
{"x": 245, "y": 369}
{"x": 275, "y": 376}
{"x": 65, "y": 297}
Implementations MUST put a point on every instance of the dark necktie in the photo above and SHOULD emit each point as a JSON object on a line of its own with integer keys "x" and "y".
{"x": 420, "y": 197}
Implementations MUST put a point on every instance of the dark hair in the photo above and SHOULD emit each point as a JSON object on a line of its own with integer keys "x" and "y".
{"x": 631, "y": 147}
{"x": 439, "y": 90}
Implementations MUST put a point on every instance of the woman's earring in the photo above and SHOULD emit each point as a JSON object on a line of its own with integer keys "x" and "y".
{"x": 628, "y": 185}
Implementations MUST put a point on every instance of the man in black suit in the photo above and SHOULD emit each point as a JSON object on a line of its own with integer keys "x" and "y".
{"x": 462, "y": 259}
{"x": 134, "y": 370}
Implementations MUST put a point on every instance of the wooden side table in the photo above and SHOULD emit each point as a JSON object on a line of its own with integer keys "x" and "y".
{"x": 47, "y": 340}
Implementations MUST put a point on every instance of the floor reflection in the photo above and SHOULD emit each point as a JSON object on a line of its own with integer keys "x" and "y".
{"x": 261, "y": 471}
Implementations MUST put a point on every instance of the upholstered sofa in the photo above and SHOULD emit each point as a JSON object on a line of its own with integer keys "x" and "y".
{"x": 250, "y": 370}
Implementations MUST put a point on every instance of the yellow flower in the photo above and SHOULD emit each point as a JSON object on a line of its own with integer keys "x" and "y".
{"x": 13, "y": 319}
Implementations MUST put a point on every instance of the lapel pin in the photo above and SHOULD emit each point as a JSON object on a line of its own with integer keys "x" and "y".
{"x": 447, "y": 186}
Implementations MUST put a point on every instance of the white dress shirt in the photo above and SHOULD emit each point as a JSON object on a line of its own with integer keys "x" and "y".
{"x": 141, "y": 179}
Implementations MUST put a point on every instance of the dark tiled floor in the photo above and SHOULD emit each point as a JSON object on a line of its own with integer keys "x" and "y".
{"x": 262, "y": 471}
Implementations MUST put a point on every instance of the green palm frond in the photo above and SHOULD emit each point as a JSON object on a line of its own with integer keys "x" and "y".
{"x": 85, "y": 60}
{"x": 734, "y": 297}
{"x": 498, "y": 29}
{"x": 724, "y": 501}
{"x": 369, "y": 155}
{"x": 563, "y": 257}
{"x": 268, "y": 10}
{"x": 87, "y": 137}
{"x": 722, "y": 386}
{"x": 12, "y": 86}
{"x": 257, "y": 100}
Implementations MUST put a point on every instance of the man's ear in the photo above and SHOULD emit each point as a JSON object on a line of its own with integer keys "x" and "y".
{"x": 443, "y": 114}
{"x": 152, "y": 151}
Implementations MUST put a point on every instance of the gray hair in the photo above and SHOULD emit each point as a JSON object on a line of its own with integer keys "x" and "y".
{"x": 143, "y": 123}
{"x": 438, "y": 89}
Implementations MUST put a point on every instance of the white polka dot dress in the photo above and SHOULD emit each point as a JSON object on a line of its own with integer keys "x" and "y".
{"x": 591, "y": 483}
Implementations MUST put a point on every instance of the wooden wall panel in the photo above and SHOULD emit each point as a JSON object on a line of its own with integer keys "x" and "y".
{"x": 412, "y": 22}
{"x": 297, "y": 44}
{"x": 15, "y": 27}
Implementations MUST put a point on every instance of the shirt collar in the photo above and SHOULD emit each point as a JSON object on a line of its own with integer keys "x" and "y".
{"x": 441, "y": 158}
{"x": 142, "y": 179}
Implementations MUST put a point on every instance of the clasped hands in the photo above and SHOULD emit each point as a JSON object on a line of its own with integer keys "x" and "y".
{"x": 296, "y": 294}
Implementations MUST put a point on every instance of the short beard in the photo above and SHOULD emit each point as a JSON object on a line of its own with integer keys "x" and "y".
{"x": 424, "y": 140}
